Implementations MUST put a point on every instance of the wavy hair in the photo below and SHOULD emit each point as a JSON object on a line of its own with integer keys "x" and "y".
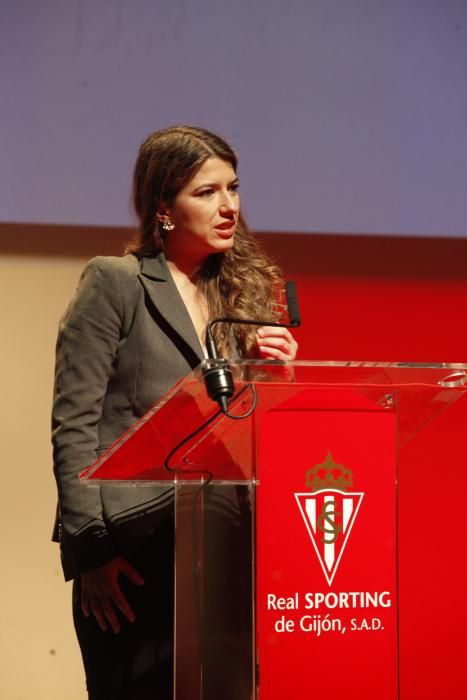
{"x": 243, "y": 281}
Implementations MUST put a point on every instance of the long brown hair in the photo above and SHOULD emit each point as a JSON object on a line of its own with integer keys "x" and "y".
{"x": 241, "y": 282}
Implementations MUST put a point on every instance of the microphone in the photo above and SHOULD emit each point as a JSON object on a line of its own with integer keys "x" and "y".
{"x": 292, "y": 304}
{"x": 218, "y": 375}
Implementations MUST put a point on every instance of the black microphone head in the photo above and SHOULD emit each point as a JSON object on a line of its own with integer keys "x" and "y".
{"x": 292, "y": 303}
{"x": 219, "y": 382}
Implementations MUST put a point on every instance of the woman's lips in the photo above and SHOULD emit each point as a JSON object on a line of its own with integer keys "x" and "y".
{"x": 226, "y": 227}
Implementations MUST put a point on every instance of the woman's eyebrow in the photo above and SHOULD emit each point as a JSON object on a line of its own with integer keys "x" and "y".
{"x": 235, "y": 181}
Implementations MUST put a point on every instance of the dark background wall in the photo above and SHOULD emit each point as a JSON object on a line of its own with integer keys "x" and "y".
{"x": 362, "y": 297}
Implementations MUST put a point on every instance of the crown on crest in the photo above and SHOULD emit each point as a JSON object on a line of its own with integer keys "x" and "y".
{"x": 328, "y": 475}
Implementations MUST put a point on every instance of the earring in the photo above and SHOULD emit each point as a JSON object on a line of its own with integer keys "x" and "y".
{"x": 168, "y": 225}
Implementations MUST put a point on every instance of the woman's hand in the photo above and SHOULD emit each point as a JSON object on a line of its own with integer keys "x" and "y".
{"x": 102, "y": 596}
{"x": 276, "y": 343}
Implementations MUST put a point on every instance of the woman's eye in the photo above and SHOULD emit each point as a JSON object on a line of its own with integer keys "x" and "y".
{"x": 234, "y": 187}
{"x": 205, "y": 193}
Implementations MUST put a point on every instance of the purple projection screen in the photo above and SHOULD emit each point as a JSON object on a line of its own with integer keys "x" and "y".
{"x": 348, "y": 115}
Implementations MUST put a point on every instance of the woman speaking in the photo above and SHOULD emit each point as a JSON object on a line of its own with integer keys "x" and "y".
{"x": 135, "y": 326}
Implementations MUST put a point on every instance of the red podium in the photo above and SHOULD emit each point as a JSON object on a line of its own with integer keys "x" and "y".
{"x": 318, "y": 540}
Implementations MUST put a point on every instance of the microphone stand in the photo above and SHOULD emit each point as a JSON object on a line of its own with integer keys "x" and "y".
{"x": 218, "y": 376}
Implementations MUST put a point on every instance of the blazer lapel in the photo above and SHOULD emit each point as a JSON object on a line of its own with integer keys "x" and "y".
{"x": 158, "y": 282}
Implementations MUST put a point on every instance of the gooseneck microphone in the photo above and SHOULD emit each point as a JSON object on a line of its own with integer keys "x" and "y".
{"x": 218, "y": 375}
{"x": 292, "y": 304}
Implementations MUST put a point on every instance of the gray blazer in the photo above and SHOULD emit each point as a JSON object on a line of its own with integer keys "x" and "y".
{"x": 124, "y": 340}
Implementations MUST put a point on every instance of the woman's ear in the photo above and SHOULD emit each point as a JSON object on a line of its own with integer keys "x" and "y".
{"x": 163, "y": 218}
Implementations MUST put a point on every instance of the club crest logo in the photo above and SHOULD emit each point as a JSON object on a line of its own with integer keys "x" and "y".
{"x": 329, "y": 511}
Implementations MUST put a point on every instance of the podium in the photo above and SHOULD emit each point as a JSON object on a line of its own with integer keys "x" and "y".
{"x": 319, "y": 538}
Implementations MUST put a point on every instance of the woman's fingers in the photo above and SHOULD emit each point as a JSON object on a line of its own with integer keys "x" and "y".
{"x": 276, "y": 343}
{"x": 85, "y": 606}
{"x": 102, "y": 596}
{"x": 122, "y": 604}
{"x": 130, "y": 572}
{"x": 104, "y": 614}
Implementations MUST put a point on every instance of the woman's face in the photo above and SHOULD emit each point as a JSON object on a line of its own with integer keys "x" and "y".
{"x": 205, "y": 212}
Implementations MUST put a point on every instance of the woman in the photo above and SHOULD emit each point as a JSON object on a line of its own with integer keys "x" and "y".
{"x": 135, "y": 326}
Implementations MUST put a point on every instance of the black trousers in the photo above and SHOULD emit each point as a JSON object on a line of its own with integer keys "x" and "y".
{"x": 137, "y": 663}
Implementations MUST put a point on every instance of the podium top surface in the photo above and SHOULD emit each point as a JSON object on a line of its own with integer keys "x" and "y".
{"x": 185, "y": 436}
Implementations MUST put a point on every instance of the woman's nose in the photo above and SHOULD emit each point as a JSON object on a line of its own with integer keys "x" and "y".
{"x": 229, "y": 202}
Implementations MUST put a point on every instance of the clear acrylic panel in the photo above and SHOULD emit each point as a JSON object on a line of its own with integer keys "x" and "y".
{"x": 213, "y": 462}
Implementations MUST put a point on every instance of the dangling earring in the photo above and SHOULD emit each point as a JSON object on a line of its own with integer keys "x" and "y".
{"x": 168, "y": 225}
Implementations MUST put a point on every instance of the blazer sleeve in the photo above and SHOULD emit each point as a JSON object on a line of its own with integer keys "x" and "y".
{"x": 87, "y": 344}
